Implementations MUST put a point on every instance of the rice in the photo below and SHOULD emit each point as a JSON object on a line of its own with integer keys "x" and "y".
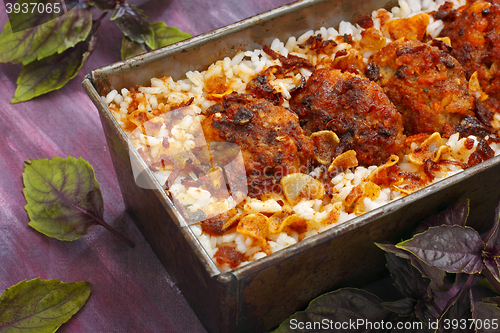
{"x": 239, "y": 70}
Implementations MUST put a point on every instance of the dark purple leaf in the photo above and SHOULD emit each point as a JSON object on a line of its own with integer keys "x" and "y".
{"x": 493, "y": 265}
{"x": 455, "y": 215}
{"x": 454, "y": 249}
{"x": 343, "y": 305}
{"x": 492, "y": 240}
{"x": 42, "y": 41}
{"x": 404, "y": 307}
{"x": 103, "y": 5}
{"x": 493, "y": 300}
{"x": 492, "y": 281}
{"x": 491, "y": 251}
{"x": 457, "y": 317}
{"x": 407, "y": 279}
{"x": 487, "y": 316}
{"x": 134, "y": 24}
{"x": 439, "y": 280}
{"x": 423, "y": 312}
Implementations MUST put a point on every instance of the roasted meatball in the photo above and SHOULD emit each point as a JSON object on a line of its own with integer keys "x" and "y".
{"x": 425, "y": 83}
{"x": 271, "y": 140}
{"x": 356, "y": 109}
{"x": 475, "y": 38}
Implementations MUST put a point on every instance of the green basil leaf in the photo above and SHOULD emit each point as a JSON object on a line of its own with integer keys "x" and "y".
{"x": 164, "y": 36}
{"x": 454, "y": 249}
{"x": 39, "y": 306}
{"x": 134, "y": 23}
{"x": 63, "y": 196}
{"x": 47, "y": 39}
{"x": 42, "y": 76}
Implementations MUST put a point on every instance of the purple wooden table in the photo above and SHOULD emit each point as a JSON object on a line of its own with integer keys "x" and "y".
{"x": 132, "y": 292}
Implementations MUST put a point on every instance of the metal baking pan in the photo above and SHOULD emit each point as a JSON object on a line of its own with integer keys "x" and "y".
{"x": 260, "y": 295}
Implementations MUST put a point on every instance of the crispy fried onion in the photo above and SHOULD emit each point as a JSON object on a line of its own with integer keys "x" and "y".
{"x": 333, "y": 215}
{"x": 402, "y": 189}
{"x": 354, "y": 202}
{"x": 280, "y": 220}
{"x": 255, "y": 226}
{"x": 431, "y": 149}
{"x": 475, "y": 88}
{"x": 298, "y": 186}
{"x": 388, "y": 173}
{"x": 232, "y": 221}
{"x": 325, "y": 143}
{"x": 317, "y": 43}
{"x": 344, "y": 161}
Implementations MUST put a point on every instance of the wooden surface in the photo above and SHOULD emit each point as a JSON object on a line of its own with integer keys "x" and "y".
{"x": 132, "y": 292}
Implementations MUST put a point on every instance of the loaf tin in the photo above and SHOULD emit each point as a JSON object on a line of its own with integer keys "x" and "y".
{"x": 260, "y": 295}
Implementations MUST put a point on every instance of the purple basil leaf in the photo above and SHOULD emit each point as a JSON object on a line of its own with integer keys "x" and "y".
{"x": 407, "y": 279}
{"x": 64, "y": 200}
{"x": 439, "y": 280}
{"x": 44, "y": 40}
{"x": 492, "y": 249}
{"x": 487, "y": 316}
{"x": 134, "y": 24}
{"x": 164, "y": 36}
{"x": 42, "y": 76}
{"x": 454, "y": 249}
{"x": 63, "y": 197}
{"x": 423, "y": 312}
{"x": 492, "y": 240}
{"x": 131, "y": 49}
{"x": 342, "y": 305}
{"x": 460, "y": 311}
{"x": 403, "y": 307}
{"x": 103, "y": 5}
{"x": 455, "y": 215}
{"x": 493, "y": 264}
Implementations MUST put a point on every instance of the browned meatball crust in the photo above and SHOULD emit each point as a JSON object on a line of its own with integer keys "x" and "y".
{"x": 356, "y": 109}
{"x": 426, "y": 84}
{"x": 474, "y": 32}
{"x": 270, "y": 138}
